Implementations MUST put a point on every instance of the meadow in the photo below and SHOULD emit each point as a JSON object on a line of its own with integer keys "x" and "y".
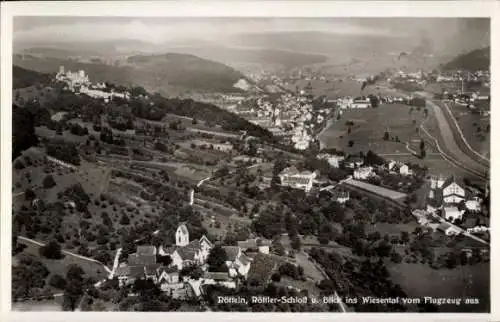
{"x": 369, "y": 126}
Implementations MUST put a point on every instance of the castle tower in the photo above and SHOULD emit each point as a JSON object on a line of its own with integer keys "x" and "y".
{"x": 182, "y": 236}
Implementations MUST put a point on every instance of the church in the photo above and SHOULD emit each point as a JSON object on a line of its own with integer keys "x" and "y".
{"x": 184, "y": 252}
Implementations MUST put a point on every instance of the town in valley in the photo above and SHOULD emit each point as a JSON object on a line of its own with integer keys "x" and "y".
{"x": 251, "y": 169}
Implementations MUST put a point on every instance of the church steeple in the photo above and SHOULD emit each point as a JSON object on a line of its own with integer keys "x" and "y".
{"x": 182, "y": 235}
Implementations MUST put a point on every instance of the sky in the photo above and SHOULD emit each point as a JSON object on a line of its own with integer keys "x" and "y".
{"x": 158, "y": 30}
{"x": 455, "y": 34}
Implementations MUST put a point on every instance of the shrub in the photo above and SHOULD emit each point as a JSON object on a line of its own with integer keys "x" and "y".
{"x": 124, "y": 220}
{"x": 57, "y": 281}
{"x": 48, "y": 182}
{"x": 18, "y": 165}
{"x": 52, "y": 250}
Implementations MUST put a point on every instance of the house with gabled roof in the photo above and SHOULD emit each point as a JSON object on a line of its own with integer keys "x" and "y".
{"x": 140, "y": 265}
{"x": 296, "y": 179}
{"x": 218, "y": 278}
{"x": 169, "y": 275}
{"x": 185, "y": 252}
{"x": 447, "y": 195}
{"x": 340, "y": 195}
{"x": 259, "y": 244}
{"x": 237, "y": 262}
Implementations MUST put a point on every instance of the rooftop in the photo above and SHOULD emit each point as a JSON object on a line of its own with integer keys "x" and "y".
{"x": 218, "y": 276}
{"x": 232, "y": 252}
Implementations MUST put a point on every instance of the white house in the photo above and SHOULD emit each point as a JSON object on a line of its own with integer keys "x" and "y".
{"x": 345, "y": 102}
{"x": 405, "y": 170}
{"x": 218, "y": 278}
{"x": 363, "y": 173}
{"x": 452, "y": 213}
{"x": 341, "y": 196}
{"x": 184, "y": 252}
{"x": 292, "y": 177}
{"x": 169, "y": 275}
{"x": 354, "y": 162}
{"x": 452, "y": 192}
{"x": 391, "y": 165}
{"x": 361, "y": 103}
{"x": 474, "y": 204}
{"x": 259, "y": 244}
{"x": 333, "y": 160}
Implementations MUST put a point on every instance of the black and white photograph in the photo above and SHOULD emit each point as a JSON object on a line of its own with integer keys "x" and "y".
{"x": 250, "y": 164}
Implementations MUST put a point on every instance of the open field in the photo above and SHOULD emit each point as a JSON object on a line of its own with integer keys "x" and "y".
{"x": 369, "y": 127}
{"x": 60, "y": 266}
{"x": 67, "y": 136}
{"x": 395, "y": 229}
{"x": 391, "y": 194}
{"x": 333, "y": 89}
{"x": 419, "y": 280}
{"x": 310, "y": 270}
{"x": 38, "y": 306}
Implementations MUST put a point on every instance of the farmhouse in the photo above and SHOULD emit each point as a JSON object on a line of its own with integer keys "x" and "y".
{"x": 218, "y": 278}
{"x": 341, "y": 196}
{"x": 184, "y": 252}
{"x": 169, "y": 275}
{"x": 292, "y": 177}
{"x": 237, "y": 262}
{"x": 354, "y": 162}
{"x": 363, "y": 173}
{"x": 333, "y": 160}
{"x": 361, "y": 102}
{"x": 259, "y": 244}
{"x": 140, "y": 265}
{"x": 446, "y": 191}
{"x": 452, "y": 213}
{"x": 474, "y": 204}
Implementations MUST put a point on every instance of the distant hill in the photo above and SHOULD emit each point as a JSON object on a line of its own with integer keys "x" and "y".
{"x": 478, "y": 59}
{"x": 175, "y": 72}
{"x": 187, "y": 71}
{"x": 67, "y": 101}
{"x": 24, "y": 78}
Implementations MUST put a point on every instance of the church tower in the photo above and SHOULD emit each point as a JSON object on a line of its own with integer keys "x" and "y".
{"x": 182, "y": 236}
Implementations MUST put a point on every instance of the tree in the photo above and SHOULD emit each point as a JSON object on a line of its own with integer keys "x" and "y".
{"x": 52, "y": 250}
{"x": 23, "y": 130}
{"x": 124, "y": 220}
{"x": 386, "y": 136}
{"x": 74, "y": 287}
{"x": 422, "y": 149}
{"x": 217, "y": 259}
{"x": 29, "y": 194}
{"x": 405, "y": 237}
{"x": 57, "y": 281}
{"x": 276, "y": 277}
{"x": 196, "y": 273}
{"x": 295, "y": 242}
{"x": 395, "y": 257}
{"x": 165, "y": 260}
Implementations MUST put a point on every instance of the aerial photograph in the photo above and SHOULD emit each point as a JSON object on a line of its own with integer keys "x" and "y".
{"x": 197, "y": 164}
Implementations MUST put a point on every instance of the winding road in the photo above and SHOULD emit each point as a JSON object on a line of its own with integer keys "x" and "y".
{"x": 450, "y": 148}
